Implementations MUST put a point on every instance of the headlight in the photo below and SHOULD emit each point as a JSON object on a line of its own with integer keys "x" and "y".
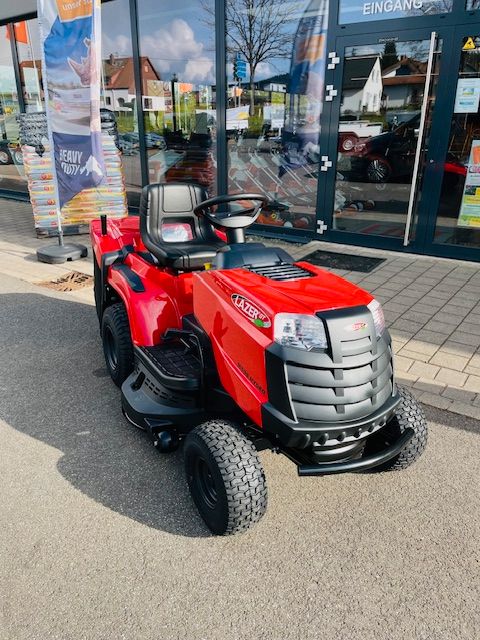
{"x": 302, "y": 332}
{"x": 378, "y": 317}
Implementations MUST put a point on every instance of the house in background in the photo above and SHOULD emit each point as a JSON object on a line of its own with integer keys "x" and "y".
{"x": 362, "y": 85}
{"x": 403, "y": 84}
{"x": 119, "y": 83}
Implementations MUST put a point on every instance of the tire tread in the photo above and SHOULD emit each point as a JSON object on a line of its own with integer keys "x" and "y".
{"x": 409, "y": 414}
{"x": 116, "y": 316}
{"x": 241, "y": 471}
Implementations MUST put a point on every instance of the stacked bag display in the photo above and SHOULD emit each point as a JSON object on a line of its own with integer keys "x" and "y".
{"x": 109, "y": 197}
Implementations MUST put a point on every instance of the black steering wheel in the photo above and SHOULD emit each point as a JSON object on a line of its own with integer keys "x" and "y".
{"x": 233, "y": 212}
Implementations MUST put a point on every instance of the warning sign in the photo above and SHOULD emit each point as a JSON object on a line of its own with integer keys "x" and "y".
{"x": 469, "y": 44}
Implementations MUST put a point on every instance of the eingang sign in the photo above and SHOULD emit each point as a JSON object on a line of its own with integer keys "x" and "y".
{"x": 363, "y": 10}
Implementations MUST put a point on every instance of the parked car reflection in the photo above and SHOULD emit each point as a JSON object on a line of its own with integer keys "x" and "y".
{"x": 389, "y": 155}
{"x": 10, "y": 152}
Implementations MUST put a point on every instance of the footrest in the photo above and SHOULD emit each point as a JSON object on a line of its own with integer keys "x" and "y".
{"x": 174, "y": 363}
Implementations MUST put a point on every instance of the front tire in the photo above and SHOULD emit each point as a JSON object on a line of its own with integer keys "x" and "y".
{"x": 117, "y": 343}
{"x": 407, "y": 414}
{"x": 225, "y": 477}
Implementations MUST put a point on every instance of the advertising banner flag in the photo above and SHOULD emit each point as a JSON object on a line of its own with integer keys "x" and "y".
{"x": 306, "y": 86}
{"x": 71, "y": 51}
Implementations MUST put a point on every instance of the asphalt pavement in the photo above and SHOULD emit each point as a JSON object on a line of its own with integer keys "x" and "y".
{"x": 99, "y": 538}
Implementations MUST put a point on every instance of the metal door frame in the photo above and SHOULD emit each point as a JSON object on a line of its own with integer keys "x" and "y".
{"x": 428, "y": 210}
{"x": 335, "y": 77}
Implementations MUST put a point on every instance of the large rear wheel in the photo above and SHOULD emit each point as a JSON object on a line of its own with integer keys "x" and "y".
{"x": 117, "y": 343}
{"x": 225, "y": 477}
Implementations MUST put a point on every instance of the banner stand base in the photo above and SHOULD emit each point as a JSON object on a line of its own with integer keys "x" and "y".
{"x": 57, "y": 254}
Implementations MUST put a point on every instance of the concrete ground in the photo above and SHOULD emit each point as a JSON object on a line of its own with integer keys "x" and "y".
{"x": 100, "y": 539}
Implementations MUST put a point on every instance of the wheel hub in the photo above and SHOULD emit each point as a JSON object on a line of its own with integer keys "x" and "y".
{"x": 206, "y": 482}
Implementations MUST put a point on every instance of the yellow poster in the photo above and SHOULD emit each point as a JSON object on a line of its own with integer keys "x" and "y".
{"x": 469, "y": 215}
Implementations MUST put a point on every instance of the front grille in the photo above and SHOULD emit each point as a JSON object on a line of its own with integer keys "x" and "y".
{"x": 330, "y": 392}
{"x": 348, "y": 381}
{"x": 282, "y": 272}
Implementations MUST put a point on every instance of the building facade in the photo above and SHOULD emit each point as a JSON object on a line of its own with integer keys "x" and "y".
{"x": 359, "y": 119}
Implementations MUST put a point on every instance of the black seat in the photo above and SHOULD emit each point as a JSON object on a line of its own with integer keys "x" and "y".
{"x": 171, "y": 231}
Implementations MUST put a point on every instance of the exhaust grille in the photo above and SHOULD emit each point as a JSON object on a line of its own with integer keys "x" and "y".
{"x": 349, "y": 380}
{"x": 329, "y": 392}
{"x": 282, "y": 272}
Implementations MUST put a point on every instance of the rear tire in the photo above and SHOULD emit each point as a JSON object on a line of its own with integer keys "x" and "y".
{"x": 407, "y": 414}
{"x": 225, "y": 477}
{"x": 117, "y": 343}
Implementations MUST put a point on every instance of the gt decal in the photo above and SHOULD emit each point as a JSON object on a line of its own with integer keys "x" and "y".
{"x": 251, "y": 311}
{"x": 356, "y": 326}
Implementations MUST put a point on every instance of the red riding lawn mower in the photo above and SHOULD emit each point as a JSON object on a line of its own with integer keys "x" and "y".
{"x": 233, "y": 347}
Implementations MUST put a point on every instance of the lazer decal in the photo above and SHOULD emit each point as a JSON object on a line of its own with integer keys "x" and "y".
{"x": 251, "y": 311}
{"x": 356, "y": 326}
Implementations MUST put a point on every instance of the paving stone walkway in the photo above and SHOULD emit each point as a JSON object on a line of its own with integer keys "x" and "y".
{"x": 432, "y": 306}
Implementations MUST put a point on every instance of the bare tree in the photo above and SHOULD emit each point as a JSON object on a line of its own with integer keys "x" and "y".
{"x": 258, "y": 30}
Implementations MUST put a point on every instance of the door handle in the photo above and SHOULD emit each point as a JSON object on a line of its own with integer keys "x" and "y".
{"x": 420, "y": 139}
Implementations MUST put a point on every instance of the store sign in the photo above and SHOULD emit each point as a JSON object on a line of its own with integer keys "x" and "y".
{"x": 362, "y": 11}
{"x": 71, "y": 38}
{"x": 469, "y": 215}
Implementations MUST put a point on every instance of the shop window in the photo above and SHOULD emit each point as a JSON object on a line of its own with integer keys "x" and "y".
{"x": 118, "y": 89}
{"x": 27, "y": 41}
{"x": 276, "y": 65}
{"x": 377, "y": 144}
{"x": 11, "y": 166}
{"x": 178, "y": 87}
{"x": 458, "y": 214}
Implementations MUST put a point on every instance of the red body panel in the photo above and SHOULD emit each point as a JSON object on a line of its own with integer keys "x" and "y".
{"x": 238, "y": 343}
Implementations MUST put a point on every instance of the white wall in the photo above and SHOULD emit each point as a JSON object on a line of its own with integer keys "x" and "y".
{"x": 372, "y": 91}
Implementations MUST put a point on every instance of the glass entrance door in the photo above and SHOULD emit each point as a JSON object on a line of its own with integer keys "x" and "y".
{"x": 386, "y": 92}
{"x": 455, "y": 228}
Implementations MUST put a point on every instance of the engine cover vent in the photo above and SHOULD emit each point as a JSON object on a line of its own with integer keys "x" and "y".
{"x": 282, "y": 272}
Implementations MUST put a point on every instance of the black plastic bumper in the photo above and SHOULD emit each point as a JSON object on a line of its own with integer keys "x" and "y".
{"x": 301, "y": 434}
{"x": 361, "y": 464}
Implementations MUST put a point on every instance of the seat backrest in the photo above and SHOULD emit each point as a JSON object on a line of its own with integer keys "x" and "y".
{"x": 167, "y": 218}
